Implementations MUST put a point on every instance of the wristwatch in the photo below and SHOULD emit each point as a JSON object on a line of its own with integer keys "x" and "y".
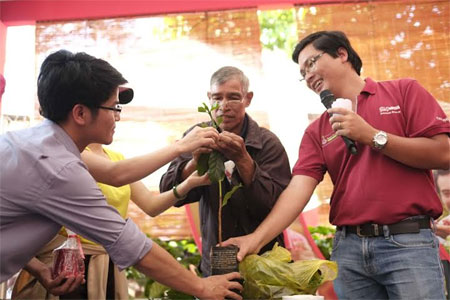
{"x": 380, "y": 140}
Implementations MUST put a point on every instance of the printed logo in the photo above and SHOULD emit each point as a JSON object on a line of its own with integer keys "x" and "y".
{"x": 388, "y": 110}
{"x": 328, "y": 139}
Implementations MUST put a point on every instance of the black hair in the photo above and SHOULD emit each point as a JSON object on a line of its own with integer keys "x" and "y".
{"x": 329, "y": 42}
{"x": 67, "y": 79}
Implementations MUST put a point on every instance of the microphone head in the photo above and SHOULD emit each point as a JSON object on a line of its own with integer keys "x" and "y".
{"x": 325, "y": 93}
{"x": 327, "y": 98}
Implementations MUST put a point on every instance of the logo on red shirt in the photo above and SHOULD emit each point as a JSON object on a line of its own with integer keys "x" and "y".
{"x": 329, "y": 138}
{"x": 388, "y": 110}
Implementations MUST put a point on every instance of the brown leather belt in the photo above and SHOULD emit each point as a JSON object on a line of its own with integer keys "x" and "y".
{"x": 404, "y": 226}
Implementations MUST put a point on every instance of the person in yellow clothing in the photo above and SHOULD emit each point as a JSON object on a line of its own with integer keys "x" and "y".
{"x": 103, "y": 279}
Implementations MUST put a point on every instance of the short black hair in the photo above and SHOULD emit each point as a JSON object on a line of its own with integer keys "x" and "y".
{"x": 67, "y": 79}
{"x": 329, "y": 42}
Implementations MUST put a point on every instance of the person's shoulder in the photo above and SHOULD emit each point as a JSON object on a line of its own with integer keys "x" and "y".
{"x": 399, "y": 83}
{"x": 113, "y": 154}
{"x": 255, "y": 129}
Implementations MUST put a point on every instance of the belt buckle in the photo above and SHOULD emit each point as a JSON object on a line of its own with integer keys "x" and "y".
{"x": 376, "y": 231}
{"x": 358, "y": 231}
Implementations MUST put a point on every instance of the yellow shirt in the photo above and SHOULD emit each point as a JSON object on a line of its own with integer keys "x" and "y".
{"x": 117, "y": 197}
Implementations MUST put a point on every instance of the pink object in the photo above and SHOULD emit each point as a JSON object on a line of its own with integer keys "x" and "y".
{"x": 69, "y": 257}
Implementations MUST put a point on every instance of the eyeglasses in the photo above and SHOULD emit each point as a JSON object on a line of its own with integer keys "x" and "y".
{"x": 117, "y": 108}
{"x": 310, "y": 65}
{"x": 232, "y": 102}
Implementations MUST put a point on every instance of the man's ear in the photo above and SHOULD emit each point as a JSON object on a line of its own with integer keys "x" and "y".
{"x": 342, "y": 54}
{"x": 248, "y": 99}
{"x": 80, "y": 114}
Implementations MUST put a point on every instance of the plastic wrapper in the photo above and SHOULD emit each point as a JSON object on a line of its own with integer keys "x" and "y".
{"x": 68, "y": 257}
{"x": 273, "y": 275}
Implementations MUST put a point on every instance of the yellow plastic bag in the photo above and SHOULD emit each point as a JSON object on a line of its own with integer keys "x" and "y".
{"x": 271, "y": 275}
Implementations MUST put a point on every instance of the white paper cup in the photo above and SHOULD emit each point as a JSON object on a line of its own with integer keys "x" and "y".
{"x": 344, "y": 103}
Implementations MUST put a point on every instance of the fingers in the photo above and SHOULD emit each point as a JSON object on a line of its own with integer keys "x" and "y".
{"x": 236, "y": 242}
{"x": 64, "y": 287}
{"x": 57, "y": 281}
{"x": 234, "y": 275}
{"x": 233, "y": 295}
{"x": 76, "y": 283}
{"x": 230, "y": 144}
{"x": 200, "y": 137}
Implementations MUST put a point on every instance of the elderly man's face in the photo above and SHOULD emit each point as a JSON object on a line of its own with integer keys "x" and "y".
{"x": 443, "y": 183}
{"x": 232, "y": 103}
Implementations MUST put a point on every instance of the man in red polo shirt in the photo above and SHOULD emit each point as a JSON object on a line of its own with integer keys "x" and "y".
{"x": 384, "y": 199}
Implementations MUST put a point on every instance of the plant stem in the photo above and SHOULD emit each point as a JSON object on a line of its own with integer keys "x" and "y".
{"x": 215, "y": 125}
{"x": 220, "y": 213}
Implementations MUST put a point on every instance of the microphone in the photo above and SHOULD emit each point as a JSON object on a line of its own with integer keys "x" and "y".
{"x": 327, "y": 98}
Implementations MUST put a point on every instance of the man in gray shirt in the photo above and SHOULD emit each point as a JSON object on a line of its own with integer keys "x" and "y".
{"x": 44, "y": 184}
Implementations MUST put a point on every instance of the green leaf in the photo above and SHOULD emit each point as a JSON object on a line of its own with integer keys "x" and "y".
{"x": 230, "y": 193}
{"x": 202, "y": 164}
{"x": 216, "y": 170}
{"x": 201, "y": 109}
{"x": 215, "y": 106}
{"x": 157, "y": 290}
{"x": 219, "y": 120}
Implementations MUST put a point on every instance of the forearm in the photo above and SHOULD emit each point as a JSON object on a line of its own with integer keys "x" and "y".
{"x": 35, "y": 267}
{"x": 129, "y": 170}
{"x": 154, "y": 205}
{"x": 188, "y": 169}
{"x": 289, "y": 205}
{"x": 420, "y": 152}
{"x": 174, "y": 275}
{"x": 246, "y": 168}
{"x": 270, "y": 177}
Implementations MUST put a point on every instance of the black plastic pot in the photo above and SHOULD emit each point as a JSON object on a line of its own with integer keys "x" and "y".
{"x": 224, "y": 260}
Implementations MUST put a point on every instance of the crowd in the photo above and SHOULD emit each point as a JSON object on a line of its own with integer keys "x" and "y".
{"x": 58, "y": 175}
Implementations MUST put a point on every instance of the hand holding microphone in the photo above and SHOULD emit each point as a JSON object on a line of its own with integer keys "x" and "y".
{"x": 329, "y": 101}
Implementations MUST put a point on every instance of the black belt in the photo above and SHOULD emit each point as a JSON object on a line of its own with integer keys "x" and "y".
{"x": 404, "y": 226}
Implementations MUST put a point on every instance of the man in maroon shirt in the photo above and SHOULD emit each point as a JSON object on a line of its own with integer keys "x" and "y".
{"x": 383, "y": 201}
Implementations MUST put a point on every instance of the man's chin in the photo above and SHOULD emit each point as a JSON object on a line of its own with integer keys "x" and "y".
{"x": 107, "y": 141}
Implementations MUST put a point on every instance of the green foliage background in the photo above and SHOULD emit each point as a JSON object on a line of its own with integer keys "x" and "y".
{"x": 185, "y": 252}
{"x": 323, "y": 237}
{"x": 278, "y": 29}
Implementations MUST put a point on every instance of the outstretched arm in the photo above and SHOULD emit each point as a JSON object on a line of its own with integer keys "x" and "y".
{"x": 290, "y": 204}
{"x": 156, "y": 204}
{"x": 134, "y": 169}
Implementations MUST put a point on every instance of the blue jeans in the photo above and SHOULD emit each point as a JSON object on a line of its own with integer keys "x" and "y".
{"x": 401, "y": 266}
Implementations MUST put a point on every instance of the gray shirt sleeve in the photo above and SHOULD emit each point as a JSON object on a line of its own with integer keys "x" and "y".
{"x": 72, "y": 198}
